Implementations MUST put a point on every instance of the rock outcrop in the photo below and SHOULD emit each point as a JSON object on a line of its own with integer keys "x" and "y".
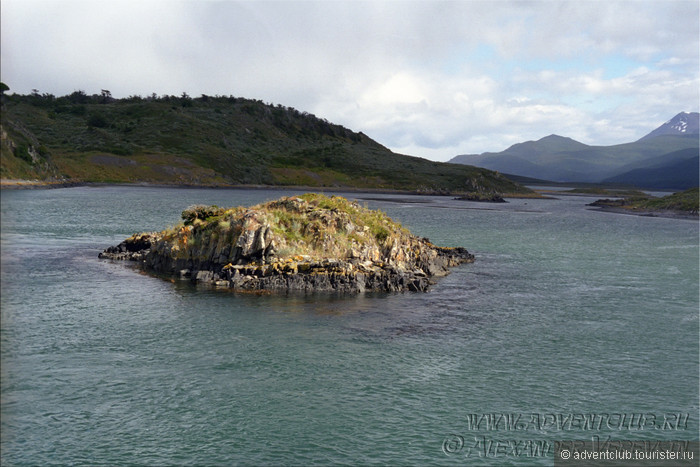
{"x": 308, "y": 243}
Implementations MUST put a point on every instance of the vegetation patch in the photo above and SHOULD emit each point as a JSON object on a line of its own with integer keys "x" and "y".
{"x": 685, "y": 202}
{"x": 202, "y": 213}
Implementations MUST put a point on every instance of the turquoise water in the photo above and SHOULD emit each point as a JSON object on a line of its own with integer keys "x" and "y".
{"x": 566, "y": 313}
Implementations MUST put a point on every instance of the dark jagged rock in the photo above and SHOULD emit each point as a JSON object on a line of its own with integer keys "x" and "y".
{"x": 482, "y": 197}
{"x": 607, "y": 203}
{"x": 311, "y": 243}
{"x": 134, "y": 248}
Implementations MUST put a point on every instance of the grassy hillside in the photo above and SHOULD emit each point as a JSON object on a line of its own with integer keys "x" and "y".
{"x": 209, "y": 141}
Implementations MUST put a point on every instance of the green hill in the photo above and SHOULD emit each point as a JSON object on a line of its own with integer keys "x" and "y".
{"x": 209, "y": 141}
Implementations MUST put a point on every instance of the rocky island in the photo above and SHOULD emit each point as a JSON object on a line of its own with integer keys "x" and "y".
{"x": 307, "y": 243}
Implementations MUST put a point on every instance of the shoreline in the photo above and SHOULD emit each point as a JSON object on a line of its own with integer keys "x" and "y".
{"x": 9, "y": 184}
{"x": 667, "y": 214}
{"x": 17, "y": 184}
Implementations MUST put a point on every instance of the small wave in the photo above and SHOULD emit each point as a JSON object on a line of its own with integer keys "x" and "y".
{"x": 677, "y": 247}
{"x": 690, "y": 318}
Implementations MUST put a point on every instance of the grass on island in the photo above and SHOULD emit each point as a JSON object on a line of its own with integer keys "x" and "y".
{"x": 311, "y": 225}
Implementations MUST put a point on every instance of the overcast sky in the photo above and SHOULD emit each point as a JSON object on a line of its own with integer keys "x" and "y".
{"x": 427, "y": 78}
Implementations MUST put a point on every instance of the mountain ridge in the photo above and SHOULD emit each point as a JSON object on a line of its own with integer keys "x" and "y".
{"x": 679, "y": 170}
{"x": 562, "y": 159}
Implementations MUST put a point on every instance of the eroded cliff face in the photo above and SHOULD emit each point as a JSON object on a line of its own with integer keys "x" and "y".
{"x": 306, "y": 243}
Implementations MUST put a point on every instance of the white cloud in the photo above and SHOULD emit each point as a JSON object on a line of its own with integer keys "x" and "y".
{"x": 429, "y": 78}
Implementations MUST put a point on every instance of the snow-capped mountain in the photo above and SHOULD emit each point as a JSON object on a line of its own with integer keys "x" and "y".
{"x": 685, "y": 123}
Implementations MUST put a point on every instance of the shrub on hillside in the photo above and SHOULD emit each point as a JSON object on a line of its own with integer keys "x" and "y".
{"x": 97, "y": 121}
{"x": 200, "y": 211}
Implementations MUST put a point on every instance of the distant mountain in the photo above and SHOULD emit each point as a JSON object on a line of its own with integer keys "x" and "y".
{"x": 562, "y": 159}
{"x": 684, "y": 123}
{"x": 209, "y": 141}
{"x": 677, "y": 170}
{"x": 658, "y": 162}
{"x": 530, "y": 159}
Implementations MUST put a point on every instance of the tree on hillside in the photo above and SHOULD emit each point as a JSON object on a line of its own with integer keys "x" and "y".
{"x": 3, "y": 87}
{"x": 105, "y": 97}
{"x": 185, "y": 100}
